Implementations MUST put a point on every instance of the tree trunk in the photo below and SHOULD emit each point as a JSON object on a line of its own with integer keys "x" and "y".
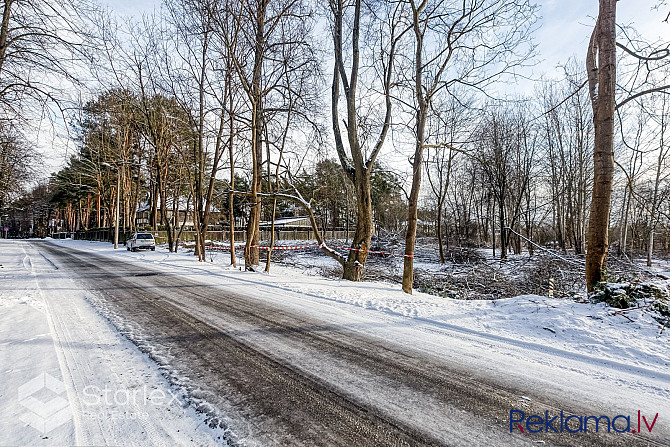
{"x": 153, "y": 212}
{"x": 251, "y": 257}
{"x": 440, "y": 245}
{"x": 98, "y": 213}
{"x": 358, "y": 169}
{"x": 493, "y": 230}
{"x": 231, "y": 213}
{"x": 162, "y": 192}
{"x": 623, "y": 240}
{"x": 231, "y": 147}
{"x": 410, "y": 237}
{"x": 504, "y": 241}
{"x": 117, "y": 210}
{"x": 422, "y": 103}
{"x": 603, "y": 119}
{"x": 272, "y": 236}
{"x": 360, "y": 244}
{"x": 413, "y": 205}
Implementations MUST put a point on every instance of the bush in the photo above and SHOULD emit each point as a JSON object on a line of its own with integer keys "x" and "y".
{"x": 614, "y": 294}
{"x": 625, "y": 295}
{"x": 463, "y": 255}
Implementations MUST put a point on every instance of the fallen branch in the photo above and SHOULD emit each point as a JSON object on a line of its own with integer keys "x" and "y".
{"x": 636, "y": 308}
{"x": 623, "y": 315}
{"x": 544, "y": 249}
{"x": 300, "y": 200}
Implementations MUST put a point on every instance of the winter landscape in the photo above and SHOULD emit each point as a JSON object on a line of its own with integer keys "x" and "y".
{"x": 347, "y": 223}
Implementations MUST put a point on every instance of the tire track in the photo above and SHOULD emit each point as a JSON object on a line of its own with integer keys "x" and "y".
{"x": 197, "y": 329}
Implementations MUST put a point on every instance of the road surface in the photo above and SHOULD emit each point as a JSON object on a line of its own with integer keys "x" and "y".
{"x": 277, "y": 372}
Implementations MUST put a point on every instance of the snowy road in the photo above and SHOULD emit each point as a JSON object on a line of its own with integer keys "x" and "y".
{"x": 67, "y": 377}
{"x": 283, "y": 368}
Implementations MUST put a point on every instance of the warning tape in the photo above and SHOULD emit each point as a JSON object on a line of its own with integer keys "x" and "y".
{"x": 302, "y": 247}
{"x": 261, "y": 247}
{"x": 220, "y": 248}
{"x": 285, "y": 247}
{"x": 375, "y": 252}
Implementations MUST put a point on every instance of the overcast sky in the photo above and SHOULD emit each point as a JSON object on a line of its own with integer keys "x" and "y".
{"x": 563, "y": 32}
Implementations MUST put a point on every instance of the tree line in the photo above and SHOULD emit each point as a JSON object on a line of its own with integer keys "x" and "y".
{"x": 247, "y": 108}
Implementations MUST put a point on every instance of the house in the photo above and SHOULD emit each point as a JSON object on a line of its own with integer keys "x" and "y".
{"x": 288, "y": 223}
{"x": 186, "y": 208}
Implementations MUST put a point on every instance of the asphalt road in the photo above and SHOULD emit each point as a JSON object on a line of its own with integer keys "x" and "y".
{"x": 277, "y": 377}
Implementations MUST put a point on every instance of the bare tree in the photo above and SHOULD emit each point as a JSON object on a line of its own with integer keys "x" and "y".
{"x": 634, "y": 147}
{"x": 446, "y": 124}
{"x": 195, "y": 83}
{"x": 567, "y": 133}
{"x": 358, "y": 165}
{"x": 16, "y": 164}
{"x": 660, "y": 175}
{"x": 506, "y": 153}
{"x": 449, "y": 50}
{"x": 602, "y": 85}
{"x": 601, "y": 68}
{"x": 268, "y": 39}
{"x": 39, "y": 42}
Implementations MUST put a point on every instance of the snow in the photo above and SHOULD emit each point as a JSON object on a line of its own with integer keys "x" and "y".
{"x": 592, "y": 330}
{"x": 556, "y": 348}
{"x": 68, "y": 377}
{"x": 561, "y": 346}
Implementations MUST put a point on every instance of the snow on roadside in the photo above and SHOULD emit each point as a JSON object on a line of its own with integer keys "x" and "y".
{"x": 67, "y": 377}
{"x": 592, "y": 330}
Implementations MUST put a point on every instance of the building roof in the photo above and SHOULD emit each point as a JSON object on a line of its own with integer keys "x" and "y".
{"x": 182, "y": 206}
{"x": 283, "y": 221}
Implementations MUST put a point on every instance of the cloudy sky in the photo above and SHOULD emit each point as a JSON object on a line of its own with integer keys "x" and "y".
{"x": 566, "y": 26}
{"x": 563, "y": 32}
{"x": 564, "y": 29}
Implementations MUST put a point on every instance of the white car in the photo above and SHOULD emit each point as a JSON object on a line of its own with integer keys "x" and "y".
{"x": 141, "y": 241}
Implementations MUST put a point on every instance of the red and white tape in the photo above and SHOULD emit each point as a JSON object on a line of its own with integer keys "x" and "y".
{"x": 375, "y": 252}
{"x": 302, "y": 247}
{"x": 285, "y": 247}
{"x": 262, "y": 247}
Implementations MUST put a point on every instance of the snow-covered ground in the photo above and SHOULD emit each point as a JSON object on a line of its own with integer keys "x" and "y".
{"x": 48, "y": 326}
{"x": 67, "y": 377}
{"x": 590, "y": 330}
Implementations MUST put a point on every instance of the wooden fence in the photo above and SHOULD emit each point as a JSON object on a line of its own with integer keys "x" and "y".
{"x": 106, "y": 234}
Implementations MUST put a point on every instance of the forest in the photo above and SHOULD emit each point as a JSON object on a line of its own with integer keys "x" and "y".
{"x": 386, "y": 121}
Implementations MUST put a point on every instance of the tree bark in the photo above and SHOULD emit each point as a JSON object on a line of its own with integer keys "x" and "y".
{"x": 602, "y": 75}
{"x": 413, "y": 205}
{"x": 360, "y": 244}
{"x": 251, "y": 257}
{"x": 440, "y": 245}
{"x": 231, "y": 197}
{"x": 410, "y": 236}
{"x": 358, "y": 169}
